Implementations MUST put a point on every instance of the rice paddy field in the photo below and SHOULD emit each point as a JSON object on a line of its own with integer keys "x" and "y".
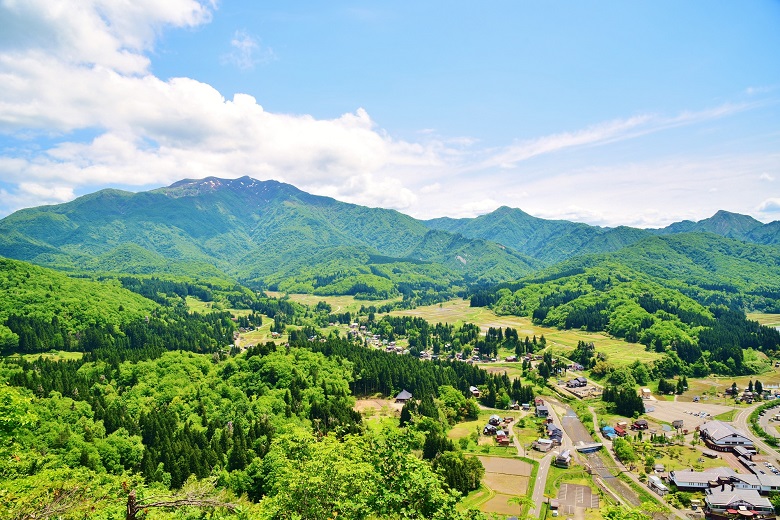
{"x": 457, "y": 312}
{"x": 770, "y": 320}
{"x": 339, "y": 304}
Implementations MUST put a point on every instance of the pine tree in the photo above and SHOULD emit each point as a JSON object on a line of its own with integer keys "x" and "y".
{"x": 406, "y": 415}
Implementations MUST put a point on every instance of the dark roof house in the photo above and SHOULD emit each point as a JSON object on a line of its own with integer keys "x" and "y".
{"x": 403, "y": 396}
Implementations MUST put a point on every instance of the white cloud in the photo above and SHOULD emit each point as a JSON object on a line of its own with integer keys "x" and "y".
{"x": 247, "y": 52}
{"x": 770, "y": 205}
{"x": 766, "y": 177}
{"x": 31, "y": 194}
{"x": 102, "y": 33}
{"x": 603, "y": 133}
{"x": 68, "y": 67}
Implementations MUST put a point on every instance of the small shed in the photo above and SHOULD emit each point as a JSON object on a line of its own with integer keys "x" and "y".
{"x": 502, "y": 438}
{"x": 542, "y": 411}
{"x": 656, "y": 485}
{"x": 474, "y": 391}
{"x": 403, "y": 396}
{"x": 677, "y": 424}
{"x": 543, "y": 445}
{"x": 646, "y": 393}
{"x": 495, "y": 420}
{"x": 640, "y": 424}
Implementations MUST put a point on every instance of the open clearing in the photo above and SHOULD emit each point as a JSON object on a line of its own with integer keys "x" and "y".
{"x": 770, "y": 320}
{"x": 506, "y": 466}
{"x": 338, "y": 304}
{"x": 508, "y": 478}
{"x": 382, "y": 407}
{"x": 54, "y": 355}
{"x": 500, "y": 504}
{"x": 457, "y": 312}
{"x": 668, "y": 411}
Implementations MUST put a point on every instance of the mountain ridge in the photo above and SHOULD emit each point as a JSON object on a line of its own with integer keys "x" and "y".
{"x": 262, "y": 232}
{"x": 272, "y": 234}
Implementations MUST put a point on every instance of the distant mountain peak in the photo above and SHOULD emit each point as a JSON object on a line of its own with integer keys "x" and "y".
{"x": 243, "y": 186}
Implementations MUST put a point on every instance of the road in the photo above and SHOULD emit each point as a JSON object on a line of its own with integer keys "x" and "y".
{"x": 741, "y": 422}
{"x": 767, "y": 425}
{"x": 544, "y": 465}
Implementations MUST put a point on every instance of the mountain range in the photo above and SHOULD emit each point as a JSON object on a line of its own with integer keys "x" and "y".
{"x": 272, "y": 235}
{"x": 554, "y": 240}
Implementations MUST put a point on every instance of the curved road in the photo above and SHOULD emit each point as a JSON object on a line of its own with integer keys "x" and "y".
{"x": 741, "y": 422}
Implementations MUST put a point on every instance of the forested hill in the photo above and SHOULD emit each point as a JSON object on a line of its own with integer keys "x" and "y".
{"x": 268, "y": 234}
{"x": 60, "y": 307}
{"x": 556, "y": 240}
{"x": 682, "y": 294}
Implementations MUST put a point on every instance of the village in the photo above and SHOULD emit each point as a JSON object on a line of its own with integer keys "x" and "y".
{"x": 693, "y": 457}
{"x": 724, "y": 475}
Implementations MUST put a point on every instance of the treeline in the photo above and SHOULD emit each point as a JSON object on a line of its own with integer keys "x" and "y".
{"x": 379, "y": 372}
{"x": 169, "y": 328}
{"x": 730, "y": 335}
{"x": 159, "y": 290}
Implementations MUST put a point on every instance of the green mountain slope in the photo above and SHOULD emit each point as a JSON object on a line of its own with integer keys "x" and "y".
{"x": 556, "y": 240}
{"x": 266, "y": 233}
{"x": 674, "y": 295}
{"x": 36, "y": 294}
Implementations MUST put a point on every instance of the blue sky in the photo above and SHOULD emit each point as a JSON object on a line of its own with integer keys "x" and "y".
{"x": 602, "y": 112}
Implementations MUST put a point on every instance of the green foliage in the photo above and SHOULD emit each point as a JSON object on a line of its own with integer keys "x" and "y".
{"x": 33, "y": 296}
{"x": 631, "y": 305}
{"x": 266, "y": 234}
{"x": 624, "y": 450}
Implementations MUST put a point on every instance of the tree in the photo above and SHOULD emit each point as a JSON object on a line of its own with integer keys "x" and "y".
{"x": 624, "y": 450}
{"x": 759, "y": 388}
{"x": 459, "y": 472}
{"x": 624, "y": 513}
{"x": 199, "y": 494}
{"x": 406, "y": 415}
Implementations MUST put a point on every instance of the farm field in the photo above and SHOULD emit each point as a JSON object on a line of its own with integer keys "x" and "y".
{"x": 54, "y": 355}
{"x": 378, "y": 408}
{"x": 196, "y": 305}
{"x": 770, "y": 320}
{"x": 458, "y": 312}
{"x": 508, "y": 479}
{"x": 340, "y": 304}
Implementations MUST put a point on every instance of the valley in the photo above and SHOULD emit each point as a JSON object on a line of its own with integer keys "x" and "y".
{"x": 243, "y": 345}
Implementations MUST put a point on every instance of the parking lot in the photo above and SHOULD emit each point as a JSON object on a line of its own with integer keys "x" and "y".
{"x": 692, "y": 414}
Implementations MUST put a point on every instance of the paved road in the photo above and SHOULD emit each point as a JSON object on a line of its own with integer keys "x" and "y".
{"x": 767, "y": 425}
{"x": 741, "y": 422}
{"x": 544, "y": 465}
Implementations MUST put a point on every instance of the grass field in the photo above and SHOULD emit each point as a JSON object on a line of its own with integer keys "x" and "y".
{"x": 196, "y": 305}
{"x": 339, "y": 304}
{"x": 457, "y": 312}
{"x": 770, "y": 320}
{"x": 58, "y": 355}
